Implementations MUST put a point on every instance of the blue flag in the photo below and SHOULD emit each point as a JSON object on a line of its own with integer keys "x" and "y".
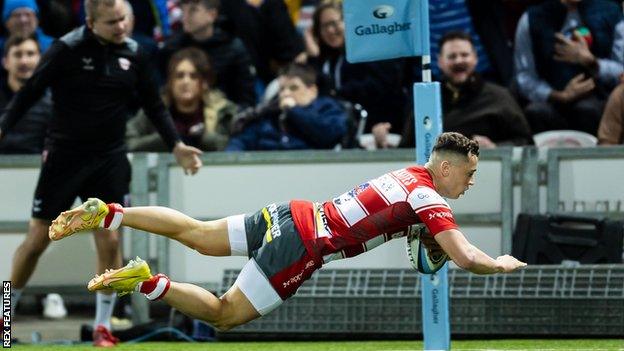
{"x": 385, "y": 29}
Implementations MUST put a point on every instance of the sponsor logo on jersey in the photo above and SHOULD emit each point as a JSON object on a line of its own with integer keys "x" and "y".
{"x": 358, "y": 190}
{"x": 351, "y": 194}
{"x": 405, "y": 177}
{"x": 320, "y": 221}
{"x": 440, "y": 215}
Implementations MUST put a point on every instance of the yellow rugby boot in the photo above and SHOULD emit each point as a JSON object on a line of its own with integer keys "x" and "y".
{"x": 123, "y": 280}
{"x": 87, "y": 216}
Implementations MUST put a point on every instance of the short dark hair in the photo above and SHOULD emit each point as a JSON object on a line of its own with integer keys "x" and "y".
{"x": 455, "y": 35}
{"x": 456, "y": 143}
{"x": 209, "y": 4}
{"x": 18, "y": 39}
{"x": 305, "y": 72}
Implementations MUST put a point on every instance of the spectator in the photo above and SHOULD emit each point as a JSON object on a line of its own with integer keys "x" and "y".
{"x": 301, "y": 12}
{"x": 611, "y": 129}
{"x": 235, "y": 74}
{"x": 297, "y": 119}
{"x": 152, "y": 19}
{"x": 471, "y": 106}
{"x": 267, "y": 31}
{"x": 56, "y": 17}
{"x": 568, "y": 57}
{"x": 453, "y": 15}
{"x": 374, "y": 85}
{"x": 202, "y": 115}
{"x": 21, "y": 17}
{"x": 21, "y": 57}
{"x": 146, "y": 41}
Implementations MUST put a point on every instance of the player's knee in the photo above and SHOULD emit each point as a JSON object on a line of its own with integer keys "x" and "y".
{"x": 226, "y": 318}
{"x": 224, "y": 325}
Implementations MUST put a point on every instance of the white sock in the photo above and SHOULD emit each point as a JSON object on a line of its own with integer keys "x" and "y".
{"x": 15, "y": 296}
{"x": 104, "y": 306}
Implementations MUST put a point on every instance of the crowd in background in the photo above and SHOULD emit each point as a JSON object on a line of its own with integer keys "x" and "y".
{"x": 241, "y": 75}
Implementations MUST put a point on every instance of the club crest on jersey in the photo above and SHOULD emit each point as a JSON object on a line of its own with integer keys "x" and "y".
{"x": 124, "y": 63}
{"x": 358, "y": 190}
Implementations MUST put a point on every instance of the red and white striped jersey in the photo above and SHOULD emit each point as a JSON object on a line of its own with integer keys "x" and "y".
{"x": 388, "y": 204}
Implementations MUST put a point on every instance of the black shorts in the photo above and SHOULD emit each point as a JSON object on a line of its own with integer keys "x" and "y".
{"x": 274, "y": 243}
{"x": 66, "y": 175}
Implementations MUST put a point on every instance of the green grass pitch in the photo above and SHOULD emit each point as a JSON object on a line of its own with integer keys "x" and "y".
{"x": 574, "y": 344}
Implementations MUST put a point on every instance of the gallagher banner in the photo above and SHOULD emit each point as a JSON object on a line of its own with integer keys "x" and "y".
{"x": 385, "y": 29}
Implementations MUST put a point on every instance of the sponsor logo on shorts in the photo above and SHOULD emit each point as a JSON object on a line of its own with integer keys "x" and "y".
{"x": 297, "y": 278}
{"x": 275, "y": 221}
{"x": 37, "y": 205}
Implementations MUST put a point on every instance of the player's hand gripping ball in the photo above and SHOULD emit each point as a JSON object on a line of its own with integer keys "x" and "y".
{"x": 423, "y": 251}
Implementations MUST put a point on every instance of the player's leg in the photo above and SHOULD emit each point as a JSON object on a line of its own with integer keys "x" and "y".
{"x": 250, "y": 297}
{"x": 207, "y": 237}
{"x": 107, "y": 243}
{"x": 224, "y": 313}
{"x": 55, "y": 192}
{"x": 27, "y": 254}
{"x": 109, "y": 179}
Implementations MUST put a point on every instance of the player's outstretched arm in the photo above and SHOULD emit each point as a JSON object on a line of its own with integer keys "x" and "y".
{"x": 470, "y": 258}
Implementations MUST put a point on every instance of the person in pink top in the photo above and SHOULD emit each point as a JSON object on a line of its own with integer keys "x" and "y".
{"x": 287, "y": 242}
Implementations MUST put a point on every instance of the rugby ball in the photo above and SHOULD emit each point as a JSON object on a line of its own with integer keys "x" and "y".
{"x": 420, "y": 257}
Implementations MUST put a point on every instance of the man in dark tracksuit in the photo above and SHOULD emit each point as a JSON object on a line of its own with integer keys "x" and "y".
{"x": 94, "y": 73}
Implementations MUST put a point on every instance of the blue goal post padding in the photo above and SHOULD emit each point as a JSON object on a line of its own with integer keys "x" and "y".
{"x": 385, "y": 29}
{"x": 435, "y": 290}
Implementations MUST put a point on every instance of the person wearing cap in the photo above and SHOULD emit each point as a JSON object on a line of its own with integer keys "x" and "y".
{"x": 20, "y": 17}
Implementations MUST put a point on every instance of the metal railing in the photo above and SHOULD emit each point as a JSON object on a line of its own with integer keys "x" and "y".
{"x": 553, "y": 161}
